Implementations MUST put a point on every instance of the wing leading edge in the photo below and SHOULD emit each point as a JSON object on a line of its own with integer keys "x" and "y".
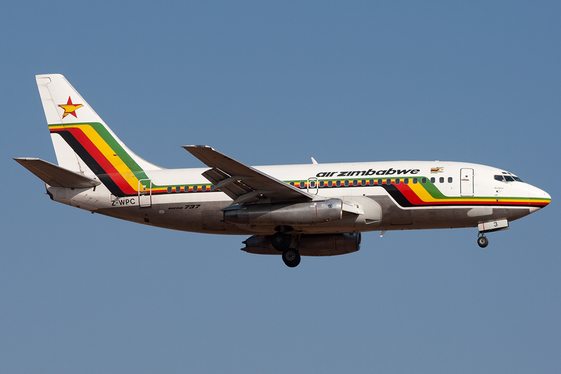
{"x": 243, "y": 183}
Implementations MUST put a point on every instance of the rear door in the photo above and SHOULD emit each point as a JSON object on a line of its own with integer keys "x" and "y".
{"x": 145, "y": 193}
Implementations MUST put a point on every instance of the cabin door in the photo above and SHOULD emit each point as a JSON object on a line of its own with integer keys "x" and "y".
{"x": 145, "y": 193}
{"x": 466, "y": 182}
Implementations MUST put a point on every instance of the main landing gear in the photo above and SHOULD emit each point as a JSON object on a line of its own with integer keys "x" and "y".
{"x": 291, "y": 257}
{"x": 282, "y": 243}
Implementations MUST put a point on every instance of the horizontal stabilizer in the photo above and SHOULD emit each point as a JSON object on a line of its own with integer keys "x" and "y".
{"x": 54, "y": 175}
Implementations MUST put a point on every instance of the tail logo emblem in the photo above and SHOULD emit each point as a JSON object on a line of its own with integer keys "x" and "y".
{"x": 70, "y": 108}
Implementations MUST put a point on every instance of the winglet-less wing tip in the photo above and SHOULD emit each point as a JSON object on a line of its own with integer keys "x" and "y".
{"x": 196, "y": 146}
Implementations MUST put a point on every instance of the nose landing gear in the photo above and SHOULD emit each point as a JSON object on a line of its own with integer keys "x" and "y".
{"x": 490, "y": 226}
{"x": 482, "y": 241}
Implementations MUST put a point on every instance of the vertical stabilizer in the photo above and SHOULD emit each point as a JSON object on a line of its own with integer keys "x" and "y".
{"x": 83, "y": 142}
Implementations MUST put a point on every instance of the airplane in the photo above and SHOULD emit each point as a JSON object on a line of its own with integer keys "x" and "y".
{"x": 289, "y": 210}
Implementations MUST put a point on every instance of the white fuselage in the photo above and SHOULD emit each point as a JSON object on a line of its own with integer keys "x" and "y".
{"x": 393, "y": 195}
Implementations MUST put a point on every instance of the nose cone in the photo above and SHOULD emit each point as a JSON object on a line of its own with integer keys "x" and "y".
{"x": 538, "y": 198}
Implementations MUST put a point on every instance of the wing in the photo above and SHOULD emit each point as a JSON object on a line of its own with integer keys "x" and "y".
{"x": 243, "y": 183}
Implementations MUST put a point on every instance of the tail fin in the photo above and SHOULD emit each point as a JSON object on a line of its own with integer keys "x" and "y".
{"x": 84, "y": 143}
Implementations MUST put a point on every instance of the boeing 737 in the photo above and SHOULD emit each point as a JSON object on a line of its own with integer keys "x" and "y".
{"x": 289, "y": 210}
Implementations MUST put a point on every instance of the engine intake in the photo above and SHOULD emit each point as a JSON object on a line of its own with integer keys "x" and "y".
{"x": 286, "y": 214}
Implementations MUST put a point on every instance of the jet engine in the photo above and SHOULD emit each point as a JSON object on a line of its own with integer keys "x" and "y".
{"x": 286, "y": 214}
{"x": 308, "y": 245}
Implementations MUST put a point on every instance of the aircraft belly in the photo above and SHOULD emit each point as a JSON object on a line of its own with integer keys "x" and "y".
{"x": 203, "y": 217}
{"x": 379, "y": 213}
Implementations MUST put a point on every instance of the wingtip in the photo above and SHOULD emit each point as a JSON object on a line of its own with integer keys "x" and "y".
{"x": 196, "y": 146}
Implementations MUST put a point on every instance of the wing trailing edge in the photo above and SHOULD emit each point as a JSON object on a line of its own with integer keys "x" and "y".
{"x": 243, "y": 183}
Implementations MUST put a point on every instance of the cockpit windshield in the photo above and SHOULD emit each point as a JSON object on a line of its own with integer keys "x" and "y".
{"x": 507, "y": 177}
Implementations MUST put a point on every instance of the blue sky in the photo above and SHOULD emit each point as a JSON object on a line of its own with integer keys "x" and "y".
{"x": 277, "y": 83}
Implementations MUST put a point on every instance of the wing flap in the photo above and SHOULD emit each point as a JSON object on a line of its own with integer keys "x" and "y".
{"x": 230, "y": 185}
{"x": 55, "y": 175}
{"x": 240, "y": 182}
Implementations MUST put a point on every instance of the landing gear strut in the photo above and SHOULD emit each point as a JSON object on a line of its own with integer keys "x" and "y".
{"x": 482, "y": 241}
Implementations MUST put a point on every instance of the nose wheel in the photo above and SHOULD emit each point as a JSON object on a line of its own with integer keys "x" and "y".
{"x": 482, "y": 241}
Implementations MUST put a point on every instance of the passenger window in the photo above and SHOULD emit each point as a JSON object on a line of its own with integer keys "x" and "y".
{"x": 424, "y": 180}
{"x": 432, "y": 179}
{"x": 388, "y": 181}
{"x": 414, "y": 180}
{"x": 338, "y": 183}
{"x": 169, "y": 189}
{"x": 441, "y": 180}
{"x": 380, "y": 181}
{"x": 450, "y": 179}
{"x": 406, "y": 181}
{"x": 346, "y": 183}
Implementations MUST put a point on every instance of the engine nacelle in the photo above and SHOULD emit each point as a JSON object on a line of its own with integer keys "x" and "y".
{"x": 308, "y": 245}
{"x": 286, "y": 214}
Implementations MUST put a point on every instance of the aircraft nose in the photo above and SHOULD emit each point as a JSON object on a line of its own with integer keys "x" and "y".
{"x": 538, "y": 198}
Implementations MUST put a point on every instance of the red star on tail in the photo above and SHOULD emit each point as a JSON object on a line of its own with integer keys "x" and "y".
{"x": 70, "y": 108}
